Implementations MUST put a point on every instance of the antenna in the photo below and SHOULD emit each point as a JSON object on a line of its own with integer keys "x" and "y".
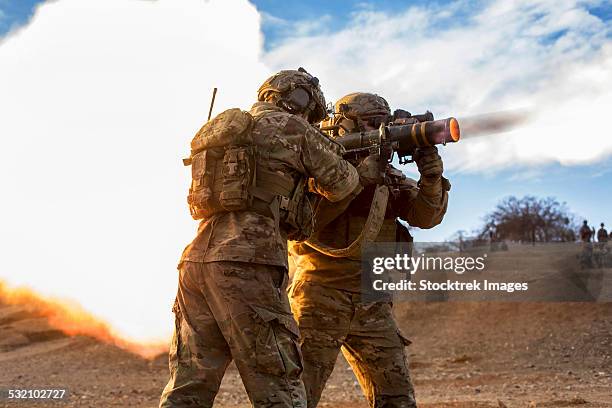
{"x": 212, "y": 102}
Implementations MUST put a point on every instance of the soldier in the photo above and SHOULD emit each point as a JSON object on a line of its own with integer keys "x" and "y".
{"x": 602, "y": 237}
{"x": 325, "y": 293}
{"x": 249, "y": 171}
{"x": 586, "y": 256}
{"x": 602, "y": 234}
{"x": 585, "y": 232}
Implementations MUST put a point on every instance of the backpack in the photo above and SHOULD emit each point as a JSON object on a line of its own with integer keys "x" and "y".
{"x": 225, "y": 177}
{"x": 222, "y": 165}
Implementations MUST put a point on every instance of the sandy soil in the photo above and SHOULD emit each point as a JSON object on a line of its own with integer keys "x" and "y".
{"x": 464, "y": 355}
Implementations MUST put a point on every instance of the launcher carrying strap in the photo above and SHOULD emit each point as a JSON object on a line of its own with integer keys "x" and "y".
{"x": 370, "y": 230}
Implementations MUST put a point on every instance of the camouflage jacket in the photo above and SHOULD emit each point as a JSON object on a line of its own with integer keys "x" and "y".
{"x": 423, "y": 208}
{"x": 586, "y": 233}
{"x": 602, "y": 235}
{"x": 292, "y": 147}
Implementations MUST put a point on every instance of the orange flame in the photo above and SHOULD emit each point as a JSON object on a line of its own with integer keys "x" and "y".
{"x": 70, "y": 318}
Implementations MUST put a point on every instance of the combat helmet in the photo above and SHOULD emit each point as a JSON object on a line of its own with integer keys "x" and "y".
{"x": 352, "y": 111}
{"x": 296, "y": 91}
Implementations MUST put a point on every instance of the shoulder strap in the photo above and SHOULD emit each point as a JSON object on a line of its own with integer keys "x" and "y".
{"x": 370, "y": 230}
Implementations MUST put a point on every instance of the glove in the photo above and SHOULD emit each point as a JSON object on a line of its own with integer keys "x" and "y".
{"x": 369, "y": 172}
{"x": 429, "y": 164}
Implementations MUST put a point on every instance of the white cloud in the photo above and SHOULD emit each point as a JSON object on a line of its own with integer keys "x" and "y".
{"x": 98, "y": 103}
{"x": 267, "y": 18}
{"x": 550, "y": 57}
{"x": 286, "y": 28}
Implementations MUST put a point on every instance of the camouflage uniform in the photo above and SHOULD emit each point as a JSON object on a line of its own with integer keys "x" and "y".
{"x": 231, "y": 301}
{"x": 325, "y": 293}
{"x": 602, "y": 238}
{"x": 586, "y": 255}
{"x": 602, "y": 234}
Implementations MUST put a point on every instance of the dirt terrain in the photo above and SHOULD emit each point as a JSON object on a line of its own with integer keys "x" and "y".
{"x": 464, "y": 355}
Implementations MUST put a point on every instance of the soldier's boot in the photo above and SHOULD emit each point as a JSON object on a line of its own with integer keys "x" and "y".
{"x": 199, "y": 354}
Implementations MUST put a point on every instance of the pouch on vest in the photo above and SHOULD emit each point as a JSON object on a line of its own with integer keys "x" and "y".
{"x": 238, "y": 173}
{"x": 206, "y": 179}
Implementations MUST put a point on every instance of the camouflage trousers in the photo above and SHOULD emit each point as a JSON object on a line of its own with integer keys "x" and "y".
{"x": 239, "y": 311}
{"x": 331, "y": 320}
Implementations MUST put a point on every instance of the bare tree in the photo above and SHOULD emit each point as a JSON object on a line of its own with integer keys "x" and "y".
{"x": 530, "y": 219}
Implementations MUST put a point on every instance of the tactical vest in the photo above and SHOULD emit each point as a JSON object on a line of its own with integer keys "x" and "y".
{"x": 352, "y": 222}
{"x": 228, "y": 175}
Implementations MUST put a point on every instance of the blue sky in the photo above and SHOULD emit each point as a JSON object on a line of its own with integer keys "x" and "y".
{"x": 14, "y": 13}
{"x": 338, "y": 12}
{"x": 587, "y": 189}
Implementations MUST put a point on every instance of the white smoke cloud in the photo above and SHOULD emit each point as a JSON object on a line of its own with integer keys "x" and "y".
{"x": 99, "y": 100}
{"x": 98, "y": 103}
{"x": 551, "y": 58}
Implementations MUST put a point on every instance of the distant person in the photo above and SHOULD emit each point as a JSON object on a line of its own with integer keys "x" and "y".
{"x": 602, "y": 237}
{"x": 586, "y": 256}
{"x": 492, "y": 243}
{"x": 602, "y": 234}
{"x": 585, "y": 232}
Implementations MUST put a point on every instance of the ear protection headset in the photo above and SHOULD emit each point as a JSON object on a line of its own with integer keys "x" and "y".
{"x": 295, "y": 101}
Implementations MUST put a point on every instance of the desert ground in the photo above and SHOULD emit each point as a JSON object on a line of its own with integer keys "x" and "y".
{"x": 464, "y": 355}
